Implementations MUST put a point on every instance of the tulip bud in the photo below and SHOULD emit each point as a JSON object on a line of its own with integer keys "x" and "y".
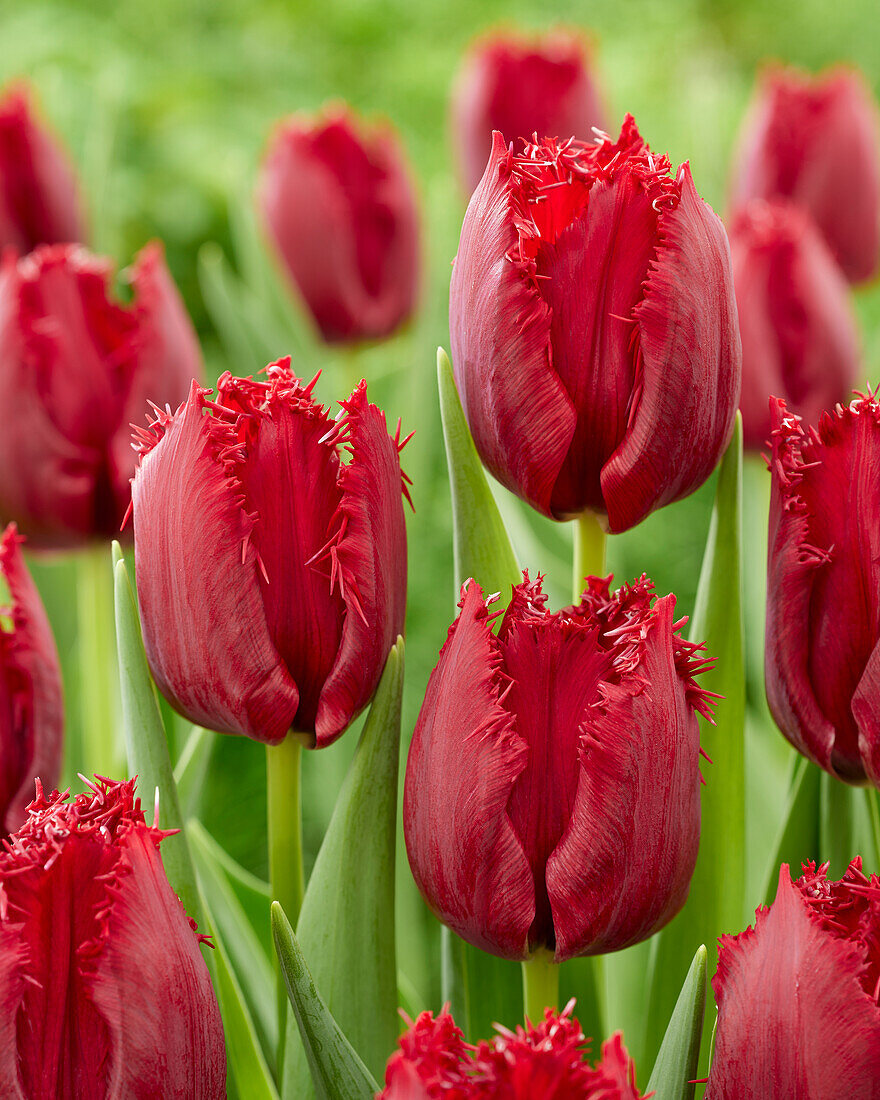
{"x": 339, "y": 208}
{"x": 31, "y": 707}
{"x": 799, "y": 334}
{"x": 822, "y": 661}
{"x": 552, "y": 789}
{"x": 816, "y": 140}
{"x": 537, "y": 1062}
{"x": 797, "y": 994}
{"x": 102, "y": 982}
{"x": 39, "y": 195}
{"x": 593, "y": 326}
{"x": 310, "y": 552}
{"x": 522, "y": 87}
{"x": 78, "y": 368}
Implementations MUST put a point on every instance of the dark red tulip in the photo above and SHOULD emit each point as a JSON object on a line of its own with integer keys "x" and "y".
{"x": 78, "y": 368}
{"x": 816, "y": 140}
{"x": 593, "y": 324}
{"x": 552, "y": 789}
{"x": 103, "y": 986}
{"x": 798, "y": 1012}
{"x": 822, "y": 660}
{"x": 39, "y": 195}
{"x": 799, "y": 335}
{"x": 542, "y": 1062}
{"x": 31, "y": 707}
{"x": 339, "y": 208}
{"x": 521, "y": 87}
{"x": 271, "y": 573}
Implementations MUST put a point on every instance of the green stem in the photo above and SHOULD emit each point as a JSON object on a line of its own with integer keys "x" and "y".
{"x": 589, "y": 551}
{"x": 873, "y": 797}
{"x": 98, "y": 690}
{"x": 835, "y": 823}
{"x": 540, "y": 985}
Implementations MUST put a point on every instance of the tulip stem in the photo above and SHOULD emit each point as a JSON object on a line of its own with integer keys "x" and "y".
{"x": 540, "y": 985}
{"x": 96, "y": 646}
{"x": 589, "y": 551}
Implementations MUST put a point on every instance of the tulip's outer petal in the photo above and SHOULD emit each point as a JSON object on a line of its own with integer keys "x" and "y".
{"x": 464, "y": 760}
{"x": 367, "y": 559}
{"x": 690, "y": 358}
{"x": 866, "y": 711}
{"x": 519, "y": 412}
{"x": 793, "y": 1018}
{"x": 205, "y": 627}
{"x": 624, "y": 866}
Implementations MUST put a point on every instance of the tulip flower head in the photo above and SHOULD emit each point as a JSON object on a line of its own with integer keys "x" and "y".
{"x": 799, "y": 334}
{"x": 519, "y": 87}
{"x": 78, "y": 368}
{"x": 593, "y": 325}
{"x": 31, "y": 707}
{"x": 552, "y": 789}
{"x": 271, "y": 573}
{"x": 102, "y": 982}
{"x": 339, "y": 208}
{"x": 816, "y": 141}
{"x": 40, "y": 201}
{"x": 822, "y": 659}
{"x": 798, "y": 1011}
{"x": 537, "y": 1062}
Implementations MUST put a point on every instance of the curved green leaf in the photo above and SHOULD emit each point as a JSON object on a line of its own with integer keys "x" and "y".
{"x": 677, "y": 1063}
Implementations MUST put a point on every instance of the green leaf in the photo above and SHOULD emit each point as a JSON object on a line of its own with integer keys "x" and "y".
{"x": 191, "y": 769}
{"x": 224, "y": 295}
{"x": 346, "y": 925}
{"x": 677, "y": 1063}
{"x": 798, "y": 837}
{"x": 337, "y": 1071}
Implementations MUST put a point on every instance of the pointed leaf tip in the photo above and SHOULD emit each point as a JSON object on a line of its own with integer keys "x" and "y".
{"x": 676, "y": 1068}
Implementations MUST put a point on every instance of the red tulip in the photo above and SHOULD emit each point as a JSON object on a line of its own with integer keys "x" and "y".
{"x": 797, "y": 994}
{"x": 271, "y": 575}
{"x": 822, "y": 659}
{"x": 31, "y": 708}
{"x": 594, "y": 331}
{"x": 338, "y": 206}
{"x": 77, "y": 369}
{"x": 543, "y": 1062}
{"x": 522, "y": 87}
{"x": 39, "y": 195}
{"x": 799, "y": 334}
{"x": 103, "y": 986}
{"x": 815, "y": 140}
{"x": 552, "y": 789}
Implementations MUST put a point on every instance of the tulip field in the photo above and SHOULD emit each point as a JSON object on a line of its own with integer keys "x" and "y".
{"x": 439, "y": 551}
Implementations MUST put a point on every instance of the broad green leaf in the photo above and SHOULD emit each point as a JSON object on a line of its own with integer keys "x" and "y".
{"x": 798, "y": 836}
{"x": 191, "y": 769}
{"x": 677, "y": 1063}
{"x": 837, "y": 827}
{"x": 346, "y": 925}
{"x": 337, "y": 1071}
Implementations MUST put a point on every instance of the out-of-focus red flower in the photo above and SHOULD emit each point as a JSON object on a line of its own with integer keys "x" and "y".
{"x": 77, "y": 369}
{"x": 31, "y": 707}
{"x": 797, "y": 994}
{"x": 798, "y": 329}
{"x": 39, "y": 194}
{"x": 552, "y": 788}
{"x": 822, "y": 659}
{"x": 543, "y": 1062}
{"x": 103, "y": 988}
{"x": 816, "y": 140}
{"x": 271, "y": 573}
{"x": 339, "y": 208}
{"x": 522, "y": 87}
{"x": 593, "y": 325}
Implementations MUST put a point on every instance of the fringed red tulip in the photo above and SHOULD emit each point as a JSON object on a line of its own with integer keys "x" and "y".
{"x": 103, "y": 989}
{"x": 552, "y": 790}
{"x": 252, "y": 488}
{"x": 31, "y": 707}
{"x": 593, "y": 326}
{"x": 521, "y": 87}
{"x": 816, "y": 141}
{"x": 78, "y": 369}
{"x": 39, "y": 194}
{"x": 822, "y": 659}
{"x": 339, "y": 208}
{"x": 798, "y": 1012}
{"x": 799, "y": 335}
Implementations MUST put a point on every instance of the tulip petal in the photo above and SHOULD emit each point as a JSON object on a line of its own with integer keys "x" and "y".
{"x": 866, "y": 711}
